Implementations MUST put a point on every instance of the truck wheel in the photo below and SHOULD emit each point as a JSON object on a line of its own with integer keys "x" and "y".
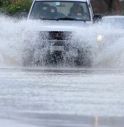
{"x": 83, "y": 58}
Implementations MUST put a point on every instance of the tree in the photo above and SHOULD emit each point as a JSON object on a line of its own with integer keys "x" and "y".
{"x": 106, "y": 6}
{"x": 113, "y": 5}
{"x": 18, "y": 6}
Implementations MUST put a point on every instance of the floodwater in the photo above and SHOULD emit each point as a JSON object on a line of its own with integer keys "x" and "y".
{"x": 59, "y": 96}
{"x": 51, "y": 97}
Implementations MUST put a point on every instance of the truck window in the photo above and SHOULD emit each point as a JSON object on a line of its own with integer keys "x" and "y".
{"x": 54, "y": 10}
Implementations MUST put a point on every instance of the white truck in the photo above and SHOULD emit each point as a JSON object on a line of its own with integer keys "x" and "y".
{"x": 60, "y": 18}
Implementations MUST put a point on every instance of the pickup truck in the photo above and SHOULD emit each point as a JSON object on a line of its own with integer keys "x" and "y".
{"x": 59, "y": 20}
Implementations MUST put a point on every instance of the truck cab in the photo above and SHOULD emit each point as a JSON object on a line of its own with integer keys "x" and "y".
{"x": 60, "y": 18}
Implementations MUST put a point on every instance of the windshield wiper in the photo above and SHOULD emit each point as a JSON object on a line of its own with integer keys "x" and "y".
{"x": 70, "y": 18}
{"x": 47, "y": 18}
{"x": 66, "y": 18}
{"x": 63, "y": 18}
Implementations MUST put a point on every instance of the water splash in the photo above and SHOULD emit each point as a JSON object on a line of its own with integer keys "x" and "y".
{"x": 18, "y": 35}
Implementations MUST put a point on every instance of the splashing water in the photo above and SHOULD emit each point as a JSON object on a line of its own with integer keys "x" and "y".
{"x": 10, "y": 38}
{"x": 15, "y": 36}
{"x": 111, "y": 50}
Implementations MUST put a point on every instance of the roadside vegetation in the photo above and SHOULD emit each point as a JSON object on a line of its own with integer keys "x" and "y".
{"x": 13, "y": 7}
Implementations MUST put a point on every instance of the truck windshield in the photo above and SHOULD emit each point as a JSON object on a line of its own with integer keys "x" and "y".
{"x": 64, "y": 10}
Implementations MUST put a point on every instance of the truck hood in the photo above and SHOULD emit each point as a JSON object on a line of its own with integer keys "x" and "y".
{"x": 59, "y": 25}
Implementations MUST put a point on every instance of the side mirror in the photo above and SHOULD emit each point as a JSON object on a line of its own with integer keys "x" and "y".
{"x": 97, "y": 17}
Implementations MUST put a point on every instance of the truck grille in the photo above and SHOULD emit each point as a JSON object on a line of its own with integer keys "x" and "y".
{"x": 59, "y": 35}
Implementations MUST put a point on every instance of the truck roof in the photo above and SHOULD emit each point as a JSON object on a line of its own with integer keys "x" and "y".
{"x": 65, "y": 0}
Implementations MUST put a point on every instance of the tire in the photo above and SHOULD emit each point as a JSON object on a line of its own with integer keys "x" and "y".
{"x": 84, "y": 58}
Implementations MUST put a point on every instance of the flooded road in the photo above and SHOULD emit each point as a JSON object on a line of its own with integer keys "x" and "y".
{"x": 62, "y": 97}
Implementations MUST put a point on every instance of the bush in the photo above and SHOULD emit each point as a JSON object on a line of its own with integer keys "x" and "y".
{"x": 14, "y": 6}
{"x": 19, "y": 5}
{"x": 4, "y": 2}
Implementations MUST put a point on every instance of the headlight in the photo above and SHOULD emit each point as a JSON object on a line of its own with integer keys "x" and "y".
{"x": 99, "y": 38}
